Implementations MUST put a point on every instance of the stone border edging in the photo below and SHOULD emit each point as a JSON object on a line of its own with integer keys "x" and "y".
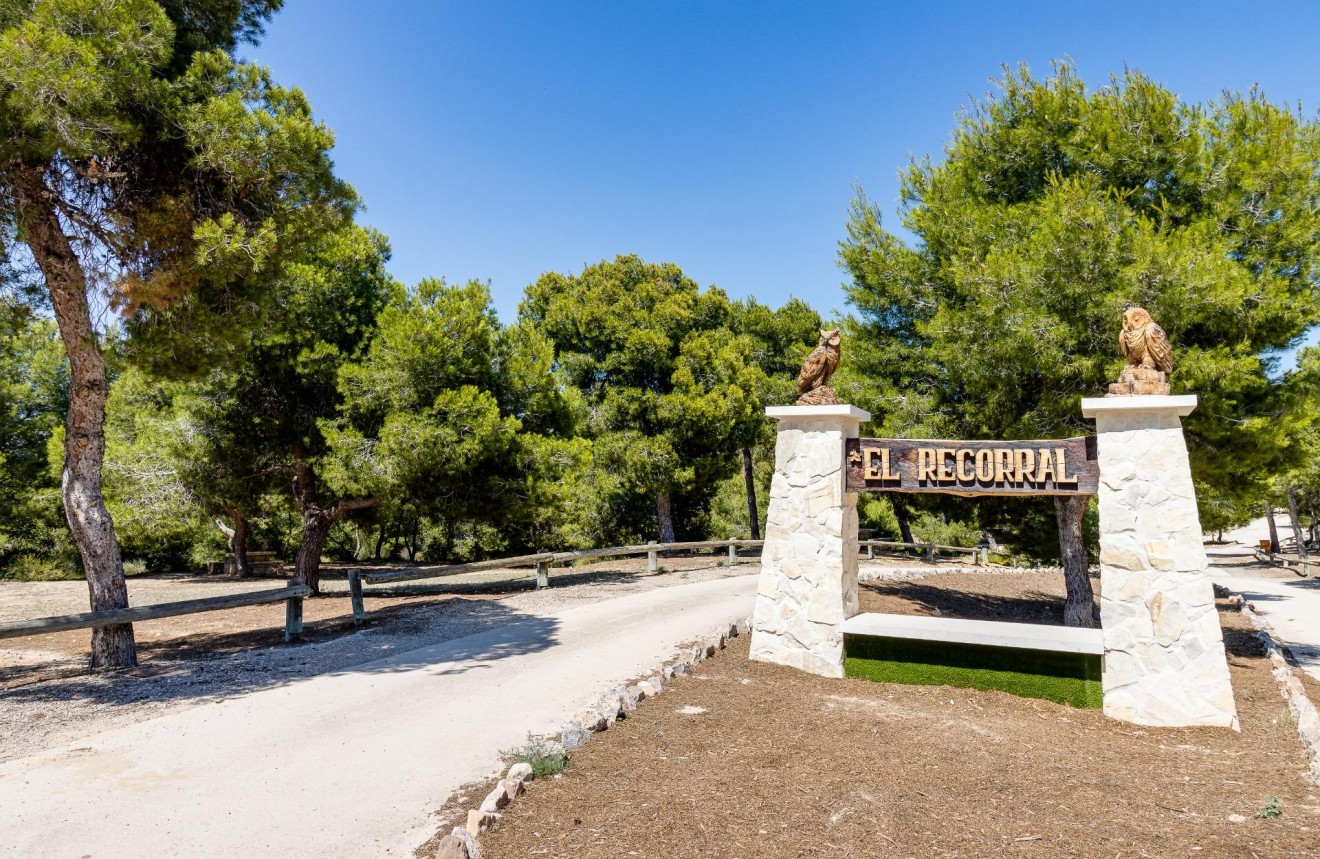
{"x": 1290, "y": 687}
{"x": 608, "y": 708}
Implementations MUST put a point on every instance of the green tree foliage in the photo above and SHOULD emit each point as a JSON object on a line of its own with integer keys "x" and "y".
{"x": 1053, "y": 210}
{"x": 157, "y": 516}
{"x": 33, "y": 388}
{"x": 444, "y": 401}
{"x": 142, "y": 166}
{"x": 270, "y": 418}
{"x": 671, "y": 394}
{"x": 780, "y": 340}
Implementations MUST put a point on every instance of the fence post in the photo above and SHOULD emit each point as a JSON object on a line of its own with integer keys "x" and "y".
{"x": 652, "y": 558}
{"x": 733, "y": 553}
{"x": 870, "y": 551}
{"x": 975, "y": 557}
{"x": 355, "y": 594}
{"x": 542, "y": 574}
{"x": 293, "y": 620}
{"x": 930, "y": 552}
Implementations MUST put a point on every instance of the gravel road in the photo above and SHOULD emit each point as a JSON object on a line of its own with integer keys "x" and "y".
{"x": 39, "y": 715}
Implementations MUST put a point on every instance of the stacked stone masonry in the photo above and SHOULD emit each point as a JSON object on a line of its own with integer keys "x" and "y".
{"x": 1164, "y": 651}
{"x": 808, "y": 583}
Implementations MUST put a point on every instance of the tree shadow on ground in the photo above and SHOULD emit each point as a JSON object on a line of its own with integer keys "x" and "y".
{"x": 204, "y": 665}
{"x": 1031, "y": 606}
{"x": 1242, "y": 644}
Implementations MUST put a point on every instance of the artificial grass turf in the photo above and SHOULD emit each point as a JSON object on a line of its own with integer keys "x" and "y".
{"x": 1068, "y": 678}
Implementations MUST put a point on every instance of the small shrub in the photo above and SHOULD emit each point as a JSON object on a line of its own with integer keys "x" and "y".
{"x": 135, "y": 567}
{"x": 1286, "y": 719}
{"x": 544, "y": 757}
{"x": 1273, "y": 808}
{"x": 35, "y": 568}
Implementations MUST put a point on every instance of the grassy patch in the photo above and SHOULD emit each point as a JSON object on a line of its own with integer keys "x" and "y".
{"x": 546, "y": 758}
{"x": 1068, "y": 678}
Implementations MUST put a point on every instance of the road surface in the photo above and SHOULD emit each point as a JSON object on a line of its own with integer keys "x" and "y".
{"x": 345, "y": 764}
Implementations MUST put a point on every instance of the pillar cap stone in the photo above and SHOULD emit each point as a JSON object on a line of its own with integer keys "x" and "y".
{"x": 848, "y": 413}
{"x": 1181, "y": 405}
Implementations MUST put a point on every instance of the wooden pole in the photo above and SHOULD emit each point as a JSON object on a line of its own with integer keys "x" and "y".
{"x": 355, "y": 594}
{"x": 733, "y": 553}
{"x": 870, "y": 551}
{"x": 542, "y": 574}
{"x": 293, "y": 618}
{"x": 930, "y": 552}
{"x": 652, "y": 559}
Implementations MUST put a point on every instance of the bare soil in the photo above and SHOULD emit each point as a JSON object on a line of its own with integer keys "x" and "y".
{"x": 743, "y": 760}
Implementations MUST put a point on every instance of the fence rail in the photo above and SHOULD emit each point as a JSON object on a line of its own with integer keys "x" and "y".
{"x": 545, "y": 560}
{"x": 975, "y": 557}
{"x": 1296, "y": 565}
{"x": 293, "y": 595}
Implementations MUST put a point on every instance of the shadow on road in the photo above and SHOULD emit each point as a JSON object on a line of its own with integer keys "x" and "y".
{"x": 204, "y": 666}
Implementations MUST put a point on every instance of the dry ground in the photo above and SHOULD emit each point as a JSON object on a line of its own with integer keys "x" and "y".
{"x": 778, "y": 763}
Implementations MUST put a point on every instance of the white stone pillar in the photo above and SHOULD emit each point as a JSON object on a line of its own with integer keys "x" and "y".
{"x": 809, "y": 563}
{"x": 1164, "y": 661}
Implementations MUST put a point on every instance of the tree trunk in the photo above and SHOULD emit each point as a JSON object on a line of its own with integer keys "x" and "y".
{"x": 317, "y": 521}
{"x": 398, "y": 532}
{"x": 1069, "y": 510}
{"x": 1296, "y": 524}
{"x": 900, "y": 513}
{"x": 749, "y": 478}
{"x": 237, "y": 540}
{"x": 1315, "y": 527}
{"x": 307, "y": 563}
{"x": 84, "y": 439}
{"x": 380, "y": 541}
{"x": 665, "y": 514}
{"x": 1274, "y": 529}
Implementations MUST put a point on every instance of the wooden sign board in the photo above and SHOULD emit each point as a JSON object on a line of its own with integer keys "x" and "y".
{"x": 1064, "y": 466}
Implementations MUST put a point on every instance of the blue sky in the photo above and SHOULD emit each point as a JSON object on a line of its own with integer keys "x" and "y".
{"x": 499, "y": 140}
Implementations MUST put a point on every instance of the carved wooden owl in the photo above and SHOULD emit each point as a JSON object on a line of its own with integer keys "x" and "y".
{"x": 1144, "y": 343}
{"x": 820, "y": 364}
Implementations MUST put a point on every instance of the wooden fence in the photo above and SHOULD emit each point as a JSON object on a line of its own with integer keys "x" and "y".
{"x": 293, "y": 595}
{"x": 1295, "y": 565}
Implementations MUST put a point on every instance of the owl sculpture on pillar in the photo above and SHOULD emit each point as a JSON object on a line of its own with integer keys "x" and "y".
{"x": 813, "y": 384}
{"x": 1148, "y": 353}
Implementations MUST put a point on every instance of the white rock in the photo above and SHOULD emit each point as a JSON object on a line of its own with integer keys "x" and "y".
{"x": 521, "y": 771}
{"x": 479, "y": 821}
{"x": 593, "y": 719}
{"x": 573, "y": 735}
{"x": 458, "y": 844}
{"x": 1236, "y": 818}
{"x": 496, "y": 799}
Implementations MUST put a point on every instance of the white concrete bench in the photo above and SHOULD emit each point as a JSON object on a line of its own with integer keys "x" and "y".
{"x": 989, "y": 633}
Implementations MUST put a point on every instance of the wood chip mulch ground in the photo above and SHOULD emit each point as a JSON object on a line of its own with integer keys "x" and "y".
{"x": 744, "y": 760}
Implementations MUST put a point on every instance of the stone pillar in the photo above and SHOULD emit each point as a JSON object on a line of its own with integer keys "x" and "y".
{"x": 1164, "y": 651}
{"x": 809, "y": 563}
